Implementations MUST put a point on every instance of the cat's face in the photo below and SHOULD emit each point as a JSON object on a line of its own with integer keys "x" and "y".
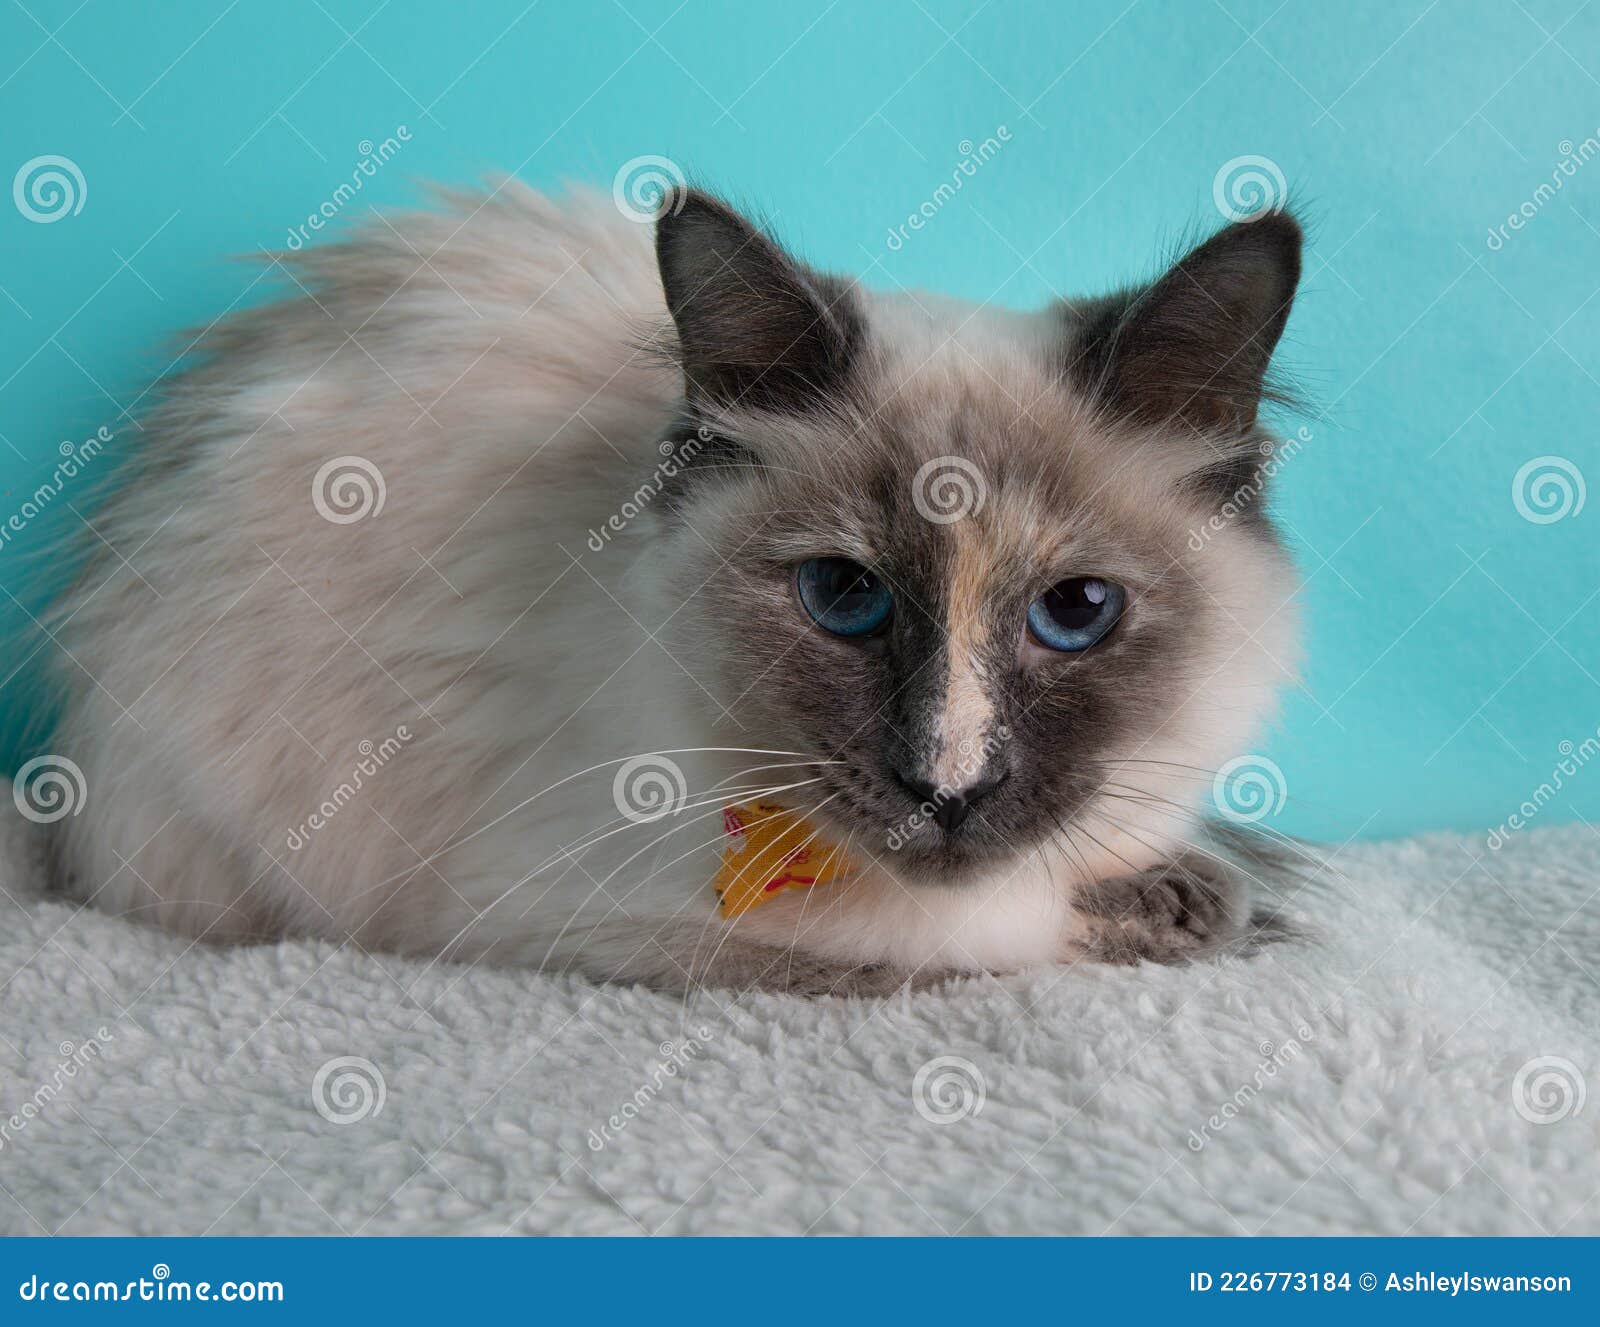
{"x": 968, "y": 561}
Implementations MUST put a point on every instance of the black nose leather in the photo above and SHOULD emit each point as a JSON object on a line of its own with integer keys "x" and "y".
{"x": 952, "y": 812}
{"x": 950, "y": 807}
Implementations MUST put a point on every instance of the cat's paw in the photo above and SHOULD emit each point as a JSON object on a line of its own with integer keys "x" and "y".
{"x": 1174, "y": 913}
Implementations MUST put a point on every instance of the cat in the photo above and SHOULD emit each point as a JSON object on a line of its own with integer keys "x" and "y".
{"x": 469, "y": 586}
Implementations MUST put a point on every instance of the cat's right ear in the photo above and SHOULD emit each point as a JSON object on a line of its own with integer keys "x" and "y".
{"x": 756, "y": 328}
{"x": 1194, "y": 347}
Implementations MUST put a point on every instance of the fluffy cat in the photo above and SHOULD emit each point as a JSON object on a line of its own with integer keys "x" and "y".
{"x": 468, "y": 584}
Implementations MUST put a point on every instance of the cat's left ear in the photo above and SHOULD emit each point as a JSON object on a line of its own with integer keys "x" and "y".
{"x": 1194, "y": 347}
{"x": 755, "y": 327}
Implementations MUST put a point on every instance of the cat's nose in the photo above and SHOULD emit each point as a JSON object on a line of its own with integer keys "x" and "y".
{"x": 951, "y": 806}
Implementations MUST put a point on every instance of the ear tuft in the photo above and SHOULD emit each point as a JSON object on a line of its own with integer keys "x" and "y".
{"x": 1194, "y": 347}
{"x": 755, "y": 327}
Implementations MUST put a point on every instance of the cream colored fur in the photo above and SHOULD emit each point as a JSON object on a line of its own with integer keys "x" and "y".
{"x": 492, "y": 362}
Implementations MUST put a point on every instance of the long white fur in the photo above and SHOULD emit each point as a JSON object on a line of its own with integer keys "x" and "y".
{"x": 490, "y": 361}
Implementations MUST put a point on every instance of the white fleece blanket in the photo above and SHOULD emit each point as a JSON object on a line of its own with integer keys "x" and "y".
{"x": 1374, "y": 1079}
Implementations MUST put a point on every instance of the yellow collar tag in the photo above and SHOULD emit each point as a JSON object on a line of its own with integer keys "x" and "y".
{"x": 771, "y": 849}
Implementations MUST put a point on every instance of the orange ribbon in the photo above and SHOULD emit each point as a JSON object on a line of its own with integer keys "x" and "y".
{"x": 771, "y": 849}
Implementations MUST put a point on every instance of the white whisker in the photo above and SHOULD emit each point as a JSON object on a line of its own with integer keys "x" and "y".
{"x": 453, "y": 844}
{"x": 600, "y": 885}
{"x": 711, "y": 962}
{"x": 569, "y": 853}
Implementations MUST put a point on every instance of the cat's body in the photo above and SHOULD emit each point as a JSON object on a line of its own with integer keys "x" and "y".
{"x": 556, "y": 568}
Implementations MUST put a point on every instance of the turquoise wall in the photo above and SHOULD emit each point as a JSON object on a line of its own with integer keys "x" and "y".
{"x": 1454, "y": 616}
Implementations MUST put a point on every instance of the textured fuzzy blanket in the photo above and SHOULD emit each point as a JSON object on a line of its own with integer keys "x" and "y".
{"x": 1417, "y": 1064}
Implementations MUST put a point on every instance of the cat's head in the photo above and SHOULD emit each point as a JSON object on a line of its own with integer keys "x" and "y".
{"x": 1011, "y": 574}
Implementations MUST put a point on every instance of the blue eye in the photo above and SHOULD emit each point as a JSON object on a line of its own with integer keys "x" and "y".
{"x": 1073, "y": 615}
{"x": 843, "y": 596}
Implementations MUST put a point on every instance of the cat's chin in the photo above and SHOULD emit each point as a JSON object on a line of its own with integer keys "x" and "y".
{"x": 917, "y": 852}
{"x": 939, "y": 859}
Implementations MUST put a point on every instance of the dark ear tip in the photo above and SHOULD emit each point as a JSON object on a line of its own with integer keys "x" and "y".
{"x": 1274, "y": 238}
{"x": 680, "y": 210}
{"x": 685, "y": 203}
{"x": 1277, "y": 232}
{"x": 1281, "y": 227}
{"x": 673, "y": 202}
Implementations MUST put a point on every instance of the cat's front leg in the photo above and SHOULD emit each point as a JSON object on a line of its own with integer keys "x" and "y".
{"x": 1181, "y": 910}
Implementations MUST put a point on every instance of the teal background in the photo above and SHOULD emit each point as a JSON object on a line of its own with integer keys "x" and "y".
{"x": 1452, "y": 643}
